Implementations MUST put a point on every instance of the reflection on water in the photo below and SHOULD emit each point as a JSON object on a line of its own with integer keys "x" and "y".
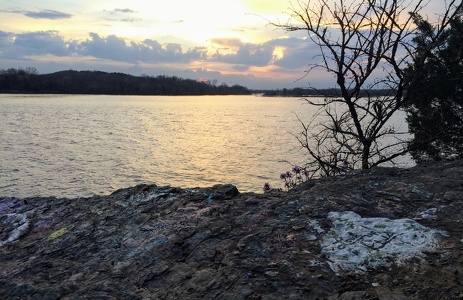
{"x": 83, "y": 145}
{"x": 70, "y": 146}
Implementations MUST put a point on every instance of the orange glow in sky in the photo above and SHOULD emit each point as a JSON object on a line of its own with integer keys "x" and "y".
{"x": 227, "y": 40}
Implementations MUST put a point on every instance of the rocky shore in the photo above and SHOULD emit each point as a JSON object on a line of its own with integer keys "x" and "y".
{"x": 385, "y": 233}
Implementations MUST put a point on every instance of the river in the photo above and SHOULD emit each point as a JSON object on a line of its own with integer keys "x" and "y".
{"x": 81, "y": 145}
{"x": 84, "y": 145}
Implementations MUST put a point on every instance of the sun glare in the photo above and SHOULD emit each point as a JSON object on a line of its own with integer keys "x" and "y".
{"x": 265, "y": 6}
{"x": 278, "y": 53}
{"x": 197, "y": 21}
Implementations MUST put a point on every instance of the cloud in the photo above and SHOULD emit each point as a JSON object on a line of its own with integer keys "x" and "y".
{"x": 124, "y": 10}
{"x": 242, "y": 54}
{"x": 240, "y": 68}
{"x": 49, "y": 42}
{"x": 286, "y": 53}
{"x": 19, "y": 46}
{"x": 120, "y": 15}
{"x": 149, "y": 51}
{"x": 130, "y": 20}
{"x": 233, "y": 43}
{"x": 6, "y": 37}
{"x": 297, "y": 53}
{"x": 45, "y": 14}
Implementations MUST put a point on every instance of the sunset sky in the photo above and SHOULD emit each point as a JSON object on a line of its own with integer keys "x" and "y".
{"x": 226, "y": 40}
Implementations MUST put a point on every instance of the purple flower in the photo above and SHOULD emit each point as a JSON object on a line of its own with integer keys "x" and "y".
{"x": 266, "y": 187}
{"x": 288, "y": 174}
{"x": 296, "y": 170}
{"x": 283, "y": 176}
{"x": 305, "y": 173}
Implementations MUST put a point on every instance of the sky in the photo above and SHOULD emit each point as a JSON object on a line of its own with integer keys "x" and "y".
{"x": 229, "y": 41}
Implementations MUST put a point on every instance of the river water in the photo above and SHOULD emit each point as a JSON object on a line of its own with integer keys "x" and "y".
{"x": 81, "y": 145}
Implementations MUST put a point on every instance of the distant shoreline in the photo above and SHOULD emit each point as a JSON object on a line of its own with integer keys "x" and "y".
{"x": 73, "y": 82}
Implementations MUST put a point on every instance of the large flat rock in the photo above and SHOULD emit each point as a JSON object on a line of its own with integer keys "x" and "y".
{"x": 385, "y": 233}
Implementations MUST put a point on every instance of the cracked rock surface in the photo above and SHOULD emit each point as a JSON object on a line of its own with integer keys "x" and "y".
{"x": 386, "y": 233}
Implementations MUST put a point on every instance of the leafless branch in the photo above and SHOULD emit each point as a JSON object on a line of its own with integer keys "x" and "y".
{"x": 365, "y": 44}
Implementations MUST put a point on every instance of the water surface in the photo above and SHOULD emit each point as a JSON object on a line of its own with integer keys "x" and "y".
{"x": 70, "y": 146}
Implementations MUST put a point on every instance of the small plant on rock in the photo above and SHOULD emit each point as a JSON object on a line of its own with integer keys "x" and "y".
{"x": 294, "y": 177}
{"x": 266, "y": 187}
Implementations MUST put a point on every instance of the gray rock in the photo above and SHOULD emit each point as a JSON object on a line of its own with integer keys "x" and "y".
{"x": 385, "y": 233}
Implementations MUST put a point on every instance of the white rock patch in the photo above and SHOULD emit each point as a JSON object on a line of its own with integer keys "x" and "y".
{"x": 16, "y": 225}
{"x": 356, "y": 244}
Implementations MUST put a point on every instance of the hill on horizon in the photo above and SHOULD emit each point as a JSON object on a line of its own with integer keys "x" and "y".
{"x": 99, "y": 82}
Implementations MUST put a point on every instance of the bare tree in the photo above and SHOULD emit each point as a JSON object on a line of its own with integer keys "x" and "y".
{"x": 31, "y": 71}
{"x": 366, "y": 45}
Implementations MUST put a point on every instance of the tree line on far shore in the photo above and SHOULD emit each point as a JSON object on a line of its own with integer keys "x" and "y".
{"x": 97, "y": 82}
{"x": 314, "y": 92}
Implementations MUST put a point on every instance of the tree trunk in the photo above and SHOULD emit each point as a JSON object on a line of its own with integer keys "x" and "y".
{"x": 366, "y": 154}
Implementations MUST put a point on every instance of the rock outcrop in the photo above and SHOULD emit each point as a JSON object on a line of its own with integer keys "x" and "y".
{"x": 386, "y": 233}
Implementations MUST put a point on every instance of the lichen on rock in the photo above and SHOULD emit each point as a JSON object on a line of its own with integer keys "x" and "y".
{"x": 356, "y": 244}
